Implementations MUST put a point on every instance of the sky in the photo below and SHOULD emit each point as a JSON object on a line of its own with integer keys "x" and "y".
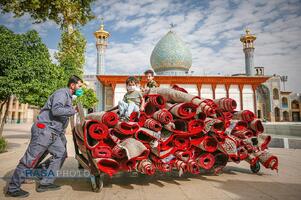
{"x": 211, "y": 29}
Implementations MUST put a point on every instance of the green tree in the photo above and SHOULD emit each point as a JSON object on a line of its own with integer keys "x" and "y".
{"x": 25, "y": 70}
{"x": 88, "y": 100}
{"x": 69, "y": 14}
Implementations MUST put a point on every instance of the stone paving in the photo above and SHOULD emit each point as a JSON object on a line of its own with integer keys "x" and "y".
{"x": 236, "y": 181}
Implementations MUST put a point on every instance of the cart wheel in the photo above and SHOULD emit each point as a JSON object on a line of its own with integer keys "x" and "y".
{"x": 96, "y": 183}
{"x": 255, "y": 168}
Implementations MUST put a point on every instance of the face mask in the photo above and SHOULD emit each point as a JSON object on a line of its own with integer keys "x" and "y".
{"x": 138, "y": 89}
{"x": 79, "y": 92}
{"x": 131, "y": 88}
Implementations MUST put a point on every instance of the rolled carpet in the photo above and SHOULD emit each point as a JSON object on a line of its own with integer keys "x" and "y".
{"x": 242, "y": 153}
{"x": 94, "y": 133}
{"x": 150, "y": 109}
{"x": 214, "y": 125}
{"x": 108, "y": 118}
{"x": 181, "y": 143}
{"x": 127, "y": 128}
{"x": 145, "y": 166}
{"x": 108, "y": 166}
{"x": 245, "y": 115}
{"x": 153, "y": 125}
{"x": 192, "y": 167}
{"x": 229, "y": 147}
{"x": 256, "y": 125}
{"x": 146, "y": 136}
{"x": 226, "y": 104}
{"x": 134, "y": 149}
{"x": 182, "y": 110}
{"x": 140, "y": 119}
{"x": 200, "y": 114}
{"x": 206, "y": 161}
{"x": 156, "y": 100}
{"x": 118, "y": 152}
{"x": 163, "y": 116}
{"x": 268, "y": 160}
{"x": 102, "y": 151}
{"x": 196, "y": 126}
{"x": 221, "y": 161}
{"x": 208, "y": 144}
{"x": 263, "y": 141}
{"x": 243, "y": 133}
{"x": 117, "y": 136}
{"x": 236, "y": 125}
{"x": 183, "y": 155}
{"x": 163, "y": 167}
{"x": 181, "y": 166}
{"x": 176, "y": 87}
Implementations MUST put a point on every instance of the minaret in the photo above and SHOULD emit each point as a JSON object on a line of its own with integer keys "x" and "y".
{"x": 101, "y": 44}
{"x": 248, "y": 48}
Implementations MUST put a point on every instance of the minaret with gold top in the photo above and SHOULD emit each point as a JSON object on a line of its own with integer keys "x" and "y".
{"x": 101, "y": 44}
{"x": 248, "y": 48}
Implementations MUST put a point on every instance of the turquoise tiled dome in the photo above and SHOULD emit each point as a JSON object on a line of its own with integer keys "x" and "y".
{"x": 171, "y": 54}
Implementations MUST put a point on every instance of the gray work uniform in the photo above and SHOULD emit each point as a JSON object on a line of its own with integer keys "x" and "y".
{"x": 47, "y": 135}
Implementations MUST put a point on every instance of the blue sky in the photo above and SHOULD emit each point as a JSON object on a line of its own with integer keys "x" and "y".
{"x": 211, "y": 29}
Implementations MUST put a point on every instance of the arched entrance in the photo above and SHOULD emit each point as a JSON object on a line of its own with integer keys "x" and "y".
{"x": 277, "y": 114}
{"x": 285, "y": 116}
{"x": 263, "y": 102}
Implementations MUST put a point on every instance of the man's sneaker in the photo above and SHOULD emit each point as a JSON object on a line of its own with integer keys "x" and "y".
{"x": 20, "y": 193}
{"x": 50, "y": 187}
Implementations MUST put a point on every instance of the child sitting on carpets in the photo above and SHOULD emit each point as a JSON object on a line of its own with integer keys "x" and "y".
{"x": 133, "y": 100}
{"x": 151, "y": 83}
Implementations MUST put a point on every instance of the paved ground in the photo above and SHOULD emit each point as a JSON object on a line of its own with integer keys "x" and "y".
{"x": 236, "y": 182}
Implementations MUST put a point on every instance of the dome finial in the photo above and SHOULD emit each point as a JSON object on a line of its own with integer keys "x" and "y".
{"x": 171, "y": 26}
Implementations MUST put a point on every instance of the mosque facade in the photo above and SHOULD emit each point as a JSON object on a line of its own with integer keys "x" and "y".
{"x": 171, "y": 61}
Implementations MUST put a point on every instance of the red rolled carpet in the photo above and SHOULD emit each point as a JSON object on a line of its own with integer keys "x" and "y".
{"x": 183, "y": 155}
{"x": 182, "y": 110}
{"x": 193, "y": 167}
{"x": 94, "y": 133}
{"x": 163, "y": 167}
{"x": 108, "y": 118}
{"x": 226, "y": 104}
{"x": 150, "y": 109}
{"x": 146, "y": 136}
{"x": 127, "y": 128}
{"x": 118, "y": 152}
{"x": 221, "y": 161}
{"x": 176, "y": 87}
{"x": 214, "y": 125}
{"x": 263, "y": 141}
{"x": 243, "y": 133}
{"x": 156, "y": 100}
{"x": 196, "y": 126}
{"x": 206, "y": 161}
{"x": 268, "y": 160}
{"x": 102, "y": 151}
{"x": 163, "y": 116}
{"x": 245, "y": 115}
{"x": 117, "y": 136}
{"x": 181, "y": 143}
{"x": 108, "y": 166}
{"x": 146, "y": 167}
{"x": 181, "y": 166}
{"x": 257, "y": 126}
{"x": 208, "y": 144}
{"x": 229, "y": 147}
{"x": 153, "y": 125}
{"x": 140, "y": 120}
